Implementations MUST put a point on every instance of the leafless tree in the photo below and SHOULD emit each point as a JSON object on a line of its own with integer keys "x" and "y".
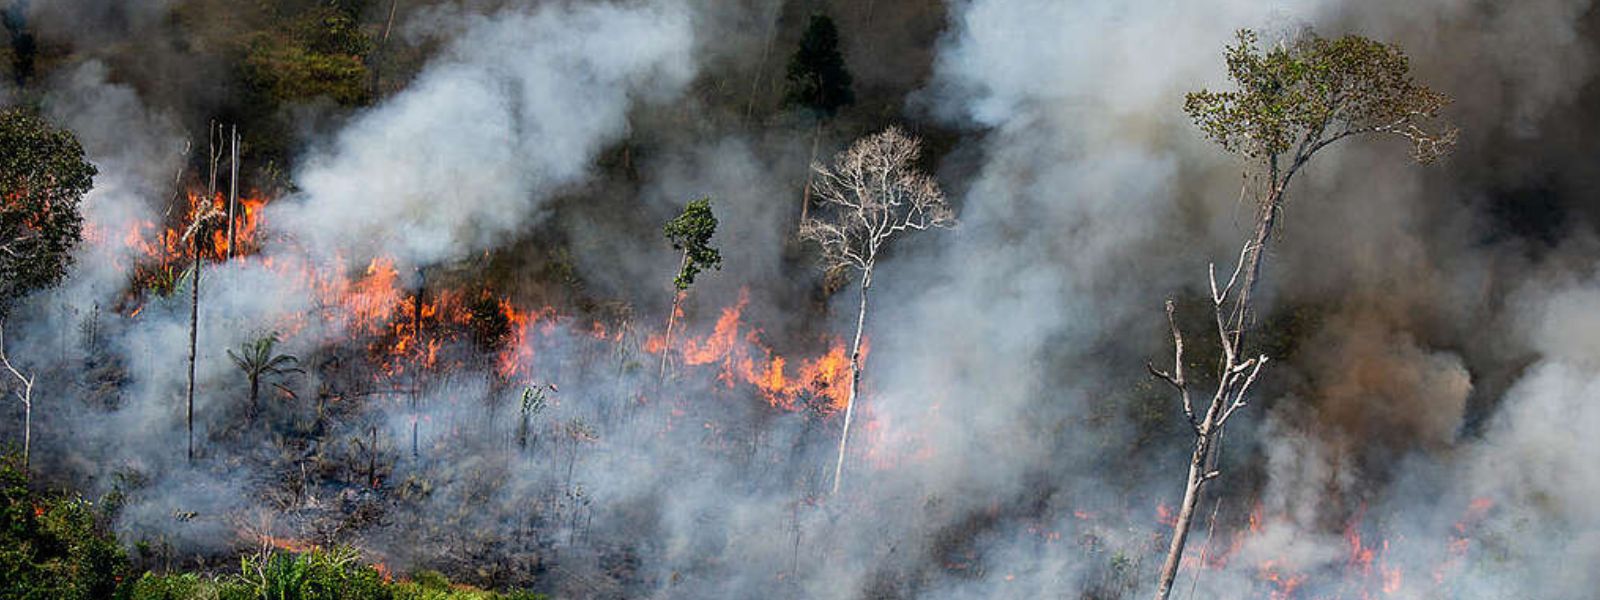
{"x": 871, "y": 194}
{"x": 205, "y": 216}
{"x": 24, "y": 392}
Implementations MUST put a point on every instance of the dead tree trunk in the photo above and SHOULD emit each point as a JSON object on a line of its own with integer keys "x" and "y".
{"x": 1235, "y": 376}
{"x": 196, "y": 231}
{"x": 233, "y": 190}
{"x": 25, "y": 394}
{"x": 855, "y": 378}
{"x": 194, "y": 326}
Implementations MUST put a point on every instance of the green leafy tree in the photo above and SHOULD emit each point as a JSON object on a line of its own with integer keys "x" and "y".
{"x": 818, "y": 79}
{"x": 818, "y": 82}
{"x": 43, "y": 177}
{"x": 259, "y": 360}
{"x": 690, "y": 233}
{"x": 1296, "y": 99}
{"x": 1288, "y": 103}
{"x": 317, "y": 51}
{"x": 53, "y": 547}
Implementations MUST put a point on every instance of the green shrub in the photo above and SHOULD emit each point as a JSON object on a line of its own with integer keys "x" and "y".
{"x": 53, "y": 548}
{"x": 316, "y": 575}
{"x": 185, "y": 586}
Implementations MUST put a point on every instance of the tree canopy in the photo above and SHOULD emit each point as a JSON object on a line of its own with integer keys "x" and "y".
{"x": 818, "y": 79}
{"x": 1301, "y": 96}
{"x": 690, "y": 233}
{"x": 43, "y": 177}
{"x": 872, "y": 193}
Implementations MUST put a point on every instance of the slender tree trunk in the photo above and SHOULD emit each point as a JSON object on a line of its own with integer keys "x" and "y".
{"x": 255, "y": 394}
{"x": 522, "y": 432}
{"x": 372, "y": 458}
{"x": 1209, "y": 439}
{"x": 27, "y": 432}
{"x": 1180, "y": 528}
{"x": 672, "y": 319}
{"x": 416, "y": 373}
{"x": 761, "y": 67}
{"x": 26, "y": 395}
{"x": 855, "y": 379}
{"x": 194, "y": 325}
{"x": 1266, "y": 218}
{"x": 378, "y": 53}
{"x": 233, "y": 190}
{"x": 805, "y": 196}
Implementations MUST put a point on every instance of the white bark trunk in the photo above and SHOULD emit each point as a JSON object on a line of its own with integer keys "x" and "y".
{"x": 855, "y": 380}
{"x": 1180, "y": 528}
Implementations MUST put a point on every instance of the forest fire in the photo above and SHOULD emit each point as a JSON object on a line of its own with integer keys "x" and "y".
{"x": 737, "y": 350}
{"x": 409, "y": 329}
{"x": 310, "y": 285}
{"x": 284, "y": 544}
{"x": 1368, "y": 570}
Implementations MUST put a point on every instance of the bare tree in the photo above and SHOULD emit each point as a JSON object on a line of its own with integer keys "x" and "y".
{"x": 206, "y": 213}
{"x": 1290, "y": 102}
{"x": 24, "y": 392}
{"x": 871, "y": 194}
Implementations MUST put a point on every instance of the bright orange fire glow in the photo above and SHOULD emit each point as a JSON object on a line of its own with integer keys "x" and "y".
{"x": 743, "y": 358}
{"x": 285, "y": 544}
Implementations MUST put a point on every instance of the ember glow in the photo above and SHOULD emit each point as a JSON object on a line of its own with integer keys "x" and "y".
{"x": 735, "y": 349}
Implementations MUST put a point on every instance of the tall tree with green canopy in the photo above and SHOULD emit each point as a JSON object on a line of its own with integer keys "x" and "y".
{"x": 43, "y": 177}
{"x": 690, "y": 233}
{"x": 1288, "y": 103}
{"x": 818, "y": 79}
{"x": 819, "y": 83}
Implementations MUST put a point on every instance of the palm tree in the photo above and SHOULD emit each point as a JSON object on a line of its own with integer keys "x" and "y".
{"x": 258, "y": 360}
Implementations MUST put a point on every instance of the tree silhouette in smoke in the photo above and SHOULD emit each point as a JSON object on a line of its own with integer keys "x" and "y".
{"x": 1288, "y": 103}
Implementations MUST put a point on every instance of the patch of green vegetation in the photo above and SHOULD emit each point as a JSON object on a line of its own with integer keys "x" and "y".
{"x": 60, "y": 548}
{"x": 321, "y": 53}
{"x": 54, "y": 548}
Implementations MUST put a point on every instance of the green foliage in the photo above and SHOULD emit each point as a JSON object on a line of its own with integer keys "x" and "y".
{"x": 180, "y": 586}
{"x": 818, "y": 79}
{"x": 321, "y": 52}
{"x": 316, "y": 575}
{"x": 1302, "y": 95}
{"x": 259, "y": 359}
{"x": 43, "y": 176}
{"x": 691, "y": 233}
{"x": 53, "y": 548}
{"x": 432, "y": 585}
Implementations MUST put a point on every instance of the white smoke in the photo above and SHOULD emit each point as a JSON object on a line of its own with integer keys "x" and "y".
{"x": 511, "y": 113}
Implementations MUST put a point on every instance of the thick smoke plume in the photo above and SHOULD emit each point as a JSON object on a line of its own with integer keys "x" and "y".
{"x": 1423, "y": 430}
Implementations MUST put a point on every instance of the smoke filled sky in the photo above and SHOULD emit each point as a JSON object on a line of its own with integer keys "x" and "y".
{"x": 481, "y": 218}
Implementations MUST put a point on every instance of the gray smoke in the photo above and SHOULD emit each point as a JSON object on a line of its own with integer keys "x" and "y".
{"x": 1434, "y": 390}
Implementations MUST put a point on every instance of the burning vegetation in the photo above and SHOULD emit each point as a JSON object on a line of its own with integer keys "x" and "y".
{"x": 671, "y": 298}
